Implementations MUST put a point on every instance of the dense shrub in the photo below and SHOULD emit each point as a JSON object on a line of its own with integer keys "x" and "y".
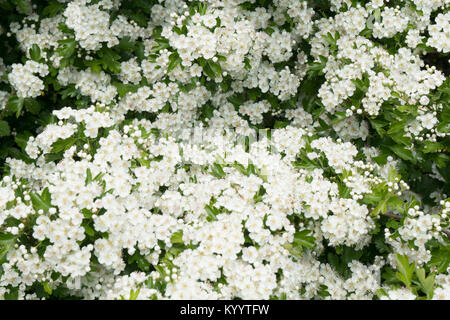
{"x": 284, "y": 149}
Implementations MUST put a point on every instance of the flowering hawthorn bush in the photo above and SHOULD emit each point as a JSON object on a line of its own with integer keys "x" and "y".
{"x": 251, "y": 149}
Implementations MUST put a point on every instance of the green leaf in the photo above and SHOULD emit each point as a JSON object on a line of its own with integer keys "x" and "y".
{"x": 66, "y": 47}
{"x": 217, "y": 171}
{"x": 212, "y": 212}
{"x": 381, "y": 159}
{"x": 396, "y": 127}
{"x": 86, "y": 213}
{"x": 7, "y": 242}
{"x": 49, "y": 157}
{"x": 63, "y": 144}
{"x": 13, "y": 294}
{"x": 378, "y": 126}
{"x": 253, "y": 94}
{"x": 52, "y": 9}
{"x": 15, "y": 104}
{"x": 333, "y": 260}
{"x": 351, "y": 254}
{"x": 427, "y": 283}
{"x": 134, "y": 294}
{"x": 6, "y": 238}
{"x": 405, "y": 270}
{"x": 377, "y": 14}
{"x": 295, "y": 251}
{"x": 22, "y": 138}
{"x": 395, "y": 203}
{"x": 109, "y": 59}
{"x": 70, "y": 91}
{"x": 403, "y": 153}
{"x": 236, "y": 99}
{"x": 177, "y": 237}
{"x": 126, "y": 44}
{"x": 32, "y": 105}
{"x": 95, "y": 65}
{"x": 215, "y": 67}
{"x": 443, "y": 127}
{"x": 88, "y": 177}
{"x": 240, "y": 168}
{"x": 41, "y": 201}
{"x": 47, "y": 287}
{"x": 406, "y": 108}
{"x": 400, "y": 138}
{"x": 302, "y": 239}
{"x": 381, "y": 207}
{"x": 98, "y": 176}
{"x": 35, "y": 52}
{"x": 65, "y": 29}
{"x": 432, "y": 147}
{"x": 24, "y": 6}
{"x": 389, "y": 276}
{"x": 316, "y": 67}
{"x": 202, "y": 8}
{"x": 88, "y": 229}
{"x": 392, "y": 224}
{"x": 174, "y": 61}
{"x": 280, "y": 124}
{"x": 339, "y": 117}
{"x": 381, "y": 292}
{"x": 208, "y": 71}
{"x": 4, "y": 128}
{"x": 380, "y": 244}
{"x": 123, "y": 89}
{"x": 440, "y": 258}
{"x": 46, "y": 196}
{"x": 143, "y": 263}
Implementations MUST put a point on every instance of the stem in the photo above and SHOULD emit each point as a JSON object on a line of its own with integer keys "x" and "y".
{"x": 399, "y": 217}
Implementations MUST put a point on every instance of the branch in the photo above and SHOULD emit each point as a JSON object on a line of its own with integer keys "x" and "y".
{"x": 399, "y": 217}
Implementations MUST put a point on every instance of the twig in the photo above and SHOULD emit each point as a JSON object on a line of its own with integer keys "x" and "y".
{"x": 393, "y": 215}
{"x": 399, "y": 217}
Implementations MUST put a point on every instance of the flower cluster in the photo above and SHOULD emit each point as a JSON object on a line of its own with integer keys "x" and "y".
{"x": 24, "y": 80}
{"x": 212, "y": 149}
